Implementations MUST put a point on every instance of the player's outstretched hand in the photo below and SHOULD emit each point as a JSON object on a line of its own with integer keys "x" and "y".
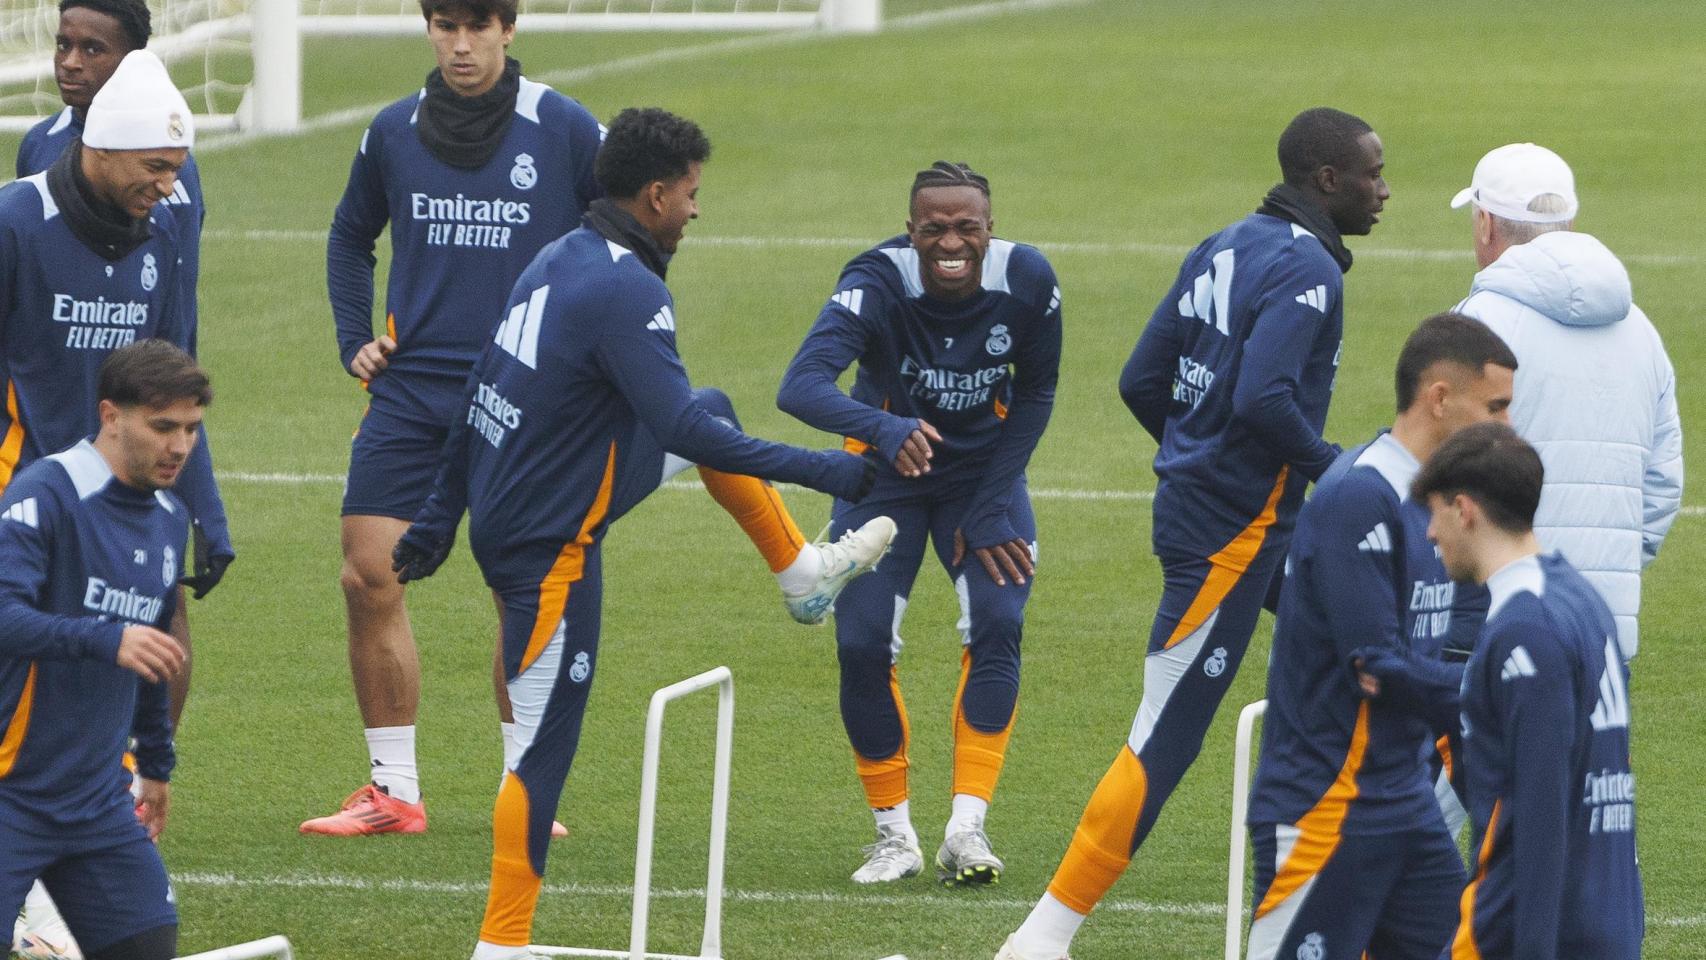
{"x": 372, "y": 359}
{"x": 419, "y": 553}
{"x": 1012, "y": 557}
{"x": 152, "y": 801}
{"x": 915, "y": 453}
{"x": 150, "y": 654}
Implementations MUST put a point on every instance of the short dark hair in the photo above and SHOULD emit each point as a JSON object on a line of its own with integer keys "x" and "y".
{"x": 1448, "y": 338}
{"x": 1491, "y": 465}
{"x": 946, "y": 173}
{"x": 1316, "y": 138}
{"x": 645, "y": 145}
{"x": 132, "y": 16}
{"x": 503, "y": 10}
{"x": 154, "y": 373}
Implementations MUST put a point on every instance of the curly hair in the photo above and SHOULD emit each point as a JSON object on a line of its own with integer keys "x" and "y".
{"x": 645, "y": 145}
{"x": 132, "y": 16}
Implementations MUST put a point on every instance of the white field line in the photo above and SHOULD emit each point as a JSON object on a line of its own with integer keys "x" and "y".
{"x": 930, "y": 901}
{"x": 1088, "y": 248}
{"x": 1037, "y": 493}
{"x": 647, "y": 61}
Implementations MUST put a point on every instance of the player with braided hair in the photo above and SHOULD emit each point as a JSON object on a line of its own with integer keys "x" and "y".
{"x": 956, "y": 334}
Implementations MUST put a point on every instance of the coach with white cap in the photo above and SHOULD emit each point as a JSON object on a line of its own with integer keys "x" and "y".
{"x": 1595, "y": 391}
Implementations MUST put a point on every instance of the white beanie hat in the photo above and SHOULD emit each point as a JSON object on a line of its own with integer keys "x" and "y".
{"x": 138, "y": 108}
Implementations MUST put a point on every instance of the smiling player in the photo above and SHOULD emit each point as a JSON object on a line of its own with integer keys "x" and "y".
{"x": 957, "y": 337}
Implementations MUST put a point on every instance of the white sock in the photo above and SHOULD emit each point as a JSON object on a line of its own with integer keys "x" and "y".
{"x": 896, "y": 819}
{"x": 1048, "y": 931}
{"x": 512, "y": 752}
{"x": 968, "y": 814}
{"x": 491, "y": 951}
{"x": 801, "y": 575}
{"x": 392, "y": 750}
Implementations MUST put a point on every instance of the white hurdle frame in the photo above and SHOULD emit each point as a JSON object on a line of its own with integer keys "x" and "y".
{"x": 276, "y": 946}
{"x": 1242, "y": 747}
{"x": 711, "y": 945}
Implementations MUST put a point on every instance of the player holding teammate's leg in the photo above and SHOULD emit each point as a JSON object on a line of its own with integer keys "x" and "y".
{"x": 93, "y": 541}
{"x": 957, "y": 338}
{"x": 1232, "y": 378}
{"x": 578, "y": 408}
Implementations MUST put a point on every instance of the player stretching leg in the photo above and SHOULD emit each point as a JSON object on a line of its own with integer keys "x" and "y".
{"x": 957, "y": 338}
{"x": 575, "y": 406}
{"x": 1232, "y": 377}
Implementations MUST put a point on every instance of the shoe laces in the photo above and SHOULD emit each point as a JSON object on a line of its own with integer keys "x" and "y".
{"x": 973, "y": 841}
{"x": 887, "y": 847}
{"x": 365, "y": 796}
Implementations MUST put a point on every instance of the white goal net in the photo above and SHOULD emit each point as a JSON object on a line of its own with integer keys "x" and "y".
{"x": 239, "y": 61}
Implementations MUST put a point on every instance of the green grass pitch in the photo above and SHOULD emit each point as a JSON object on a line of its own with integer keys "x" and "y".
{"x": 1116, "y": 134}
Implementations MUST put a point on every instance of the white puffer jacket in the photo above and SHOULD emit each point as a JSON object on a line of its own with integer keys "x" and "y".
{"x": 1596, "y": 395}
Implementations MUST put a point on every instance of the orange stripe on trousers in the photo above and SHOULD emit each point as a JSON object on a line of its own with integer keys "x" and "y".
{"x": 19, "y": 725}
{"x": 1319, "y": 829}
{"x": 568, "y": 568}
{"x": 1228, "y": 565}
{"x": 514, "y": 893}
{"x": 1463, "y": 946}
{"x": 978, "y": 756}
{"x": 1101, "y": 846}
{"x": 885, "y": 780}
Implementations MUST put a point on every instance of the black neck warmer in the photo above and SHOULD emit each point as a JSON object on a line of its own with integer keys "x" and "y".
{"x": 103, "y": 228}
{"x": 465, "y": 131}
{"x": 619, "y": 226}
{"x": 1289, "y": 203}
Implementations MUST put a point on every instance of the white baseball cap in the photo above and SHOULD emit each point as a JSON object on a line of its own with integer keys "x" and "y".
{"x": 138, "y": 108}
{"x": 1509, "y": 178}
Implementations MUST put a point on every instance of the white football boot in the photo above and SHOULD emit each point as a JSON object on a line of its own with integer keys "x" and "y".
{"x": 856, "y": 552}
{"x": 965, "y": 858}
{"x": 894, "y": 856}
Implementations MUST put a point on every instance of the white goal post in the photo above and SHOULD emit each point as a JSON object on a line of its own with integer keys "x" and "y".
{"x": 271, "y": 34}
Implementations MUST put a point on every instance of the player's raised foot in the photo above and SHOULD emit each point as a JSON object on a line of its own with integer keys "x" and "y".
{"x": 856, "y": 552}
{"x": 965, "y": 859}
{"x": 894, "y": 856}
{"x": 40, "y": 932}
{"x": 1010, "y": 952}
{"x": 370, "y": 810}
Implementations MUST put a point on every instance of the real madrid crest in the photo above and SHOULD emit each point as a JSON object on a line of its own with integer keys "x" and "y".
{"x": 150, "y": 273}
{"x": 999, "y": 341}
{"x": 581, "y": 668}
{"x": 169, "y": 568}
{"x": 524, "y": 174}
{"x": 175, "y": 126}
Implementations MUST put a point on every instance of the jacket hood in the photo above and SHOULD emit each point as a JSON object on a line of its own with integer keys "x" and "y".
{"x": 1570, "y": 277}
